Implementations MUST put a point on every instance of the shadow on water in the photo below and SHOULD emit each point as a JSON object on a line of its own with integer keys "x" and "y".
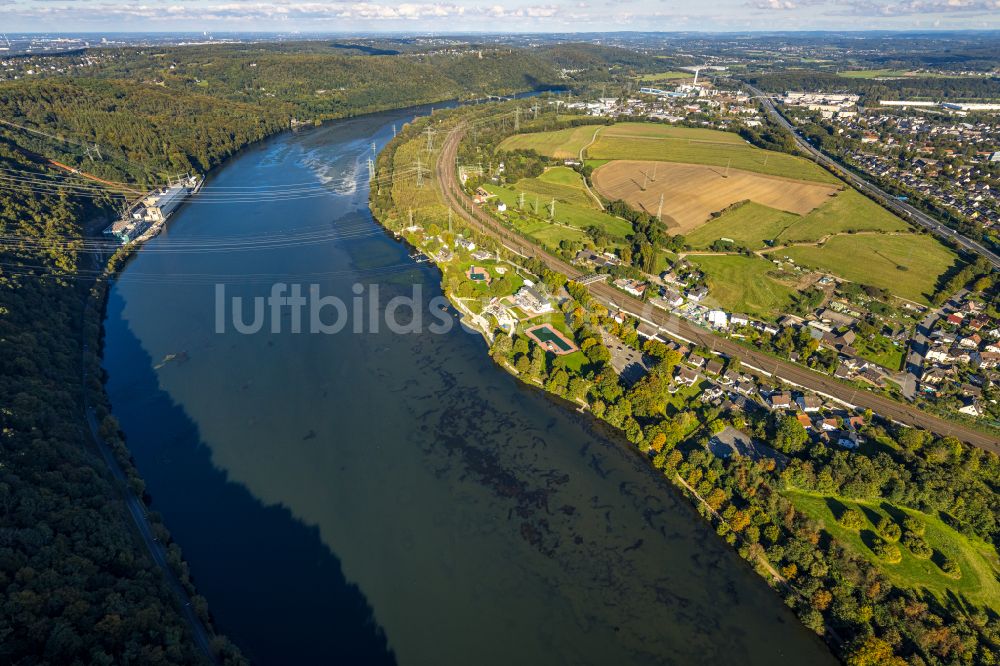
{"x": 327, "y": 618}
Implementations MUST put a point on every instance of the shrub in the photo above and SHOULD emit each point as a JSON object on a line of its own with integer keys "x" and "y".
{"x": 889, "y": 530}
{"x": 888, "y": 552}
{"x": 852, "y": 519}
{"x": 951, "y": 568}
{"x": 917, "y": 545}
{"x": 914, "y": 525}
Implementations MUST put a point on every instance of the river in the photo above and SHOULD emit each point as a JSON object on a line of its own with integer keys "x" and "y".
{"x": 387, "y": 498}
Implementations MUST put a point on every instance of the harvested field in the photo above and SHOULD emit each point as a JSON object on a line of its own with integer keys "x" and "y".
{"x": 692, "y": 192}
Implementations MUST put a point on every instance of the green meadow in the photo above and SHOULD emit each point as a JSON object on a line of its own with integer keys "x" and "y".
{"x": 977, "y": 560}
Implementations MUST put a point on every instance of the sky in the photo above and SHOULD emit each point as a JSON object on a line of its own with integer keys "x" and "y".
{"x": 494, "y": 16}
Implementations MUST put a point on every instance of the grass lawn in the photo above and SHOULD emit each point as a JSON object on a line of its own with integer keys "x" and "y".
{"x": 881, "y": 350}
{"x": 881, "y": 73}
{"x": 750, "y": 224}
{"x": 977, "y": 560}
{"x": 753, "y": 223}
{"x": 666, "y": 76}
{"x": 907, "y": 265}
{"x": 847, "y": 211}
{"x": 741, "y": 284}
{"x": 574, "y": 215}
{"x": 560, "y": 183}
{"x": 664, "y": 260}
{"x": 656, "y": 141}
{"x": 575, "y": 361}
{"x": 561, "y": 144}
{"x": 662, "y": 131}
{"x": 653, "y": 141}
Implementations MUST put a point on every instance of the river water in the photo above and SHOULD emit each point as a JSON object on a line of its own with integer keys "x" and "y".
{"x": 387, "y": 498}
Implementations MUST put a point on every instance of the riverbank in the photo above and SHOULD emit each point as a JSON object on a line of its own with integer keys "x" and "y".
{"x": 754, "y": 556}
{"x": 263, "y": 454}
{"x": 111, "y": 441}
{"x": 682, "y": 420}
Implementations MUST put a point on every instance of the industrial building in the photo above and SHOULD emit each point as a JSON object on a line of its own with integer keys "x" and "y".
{"x": 153, "y": 210}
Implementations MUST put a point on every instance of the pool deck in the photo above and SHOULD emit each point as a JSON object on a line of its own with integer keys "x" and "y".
{"x": 550, "y": 345}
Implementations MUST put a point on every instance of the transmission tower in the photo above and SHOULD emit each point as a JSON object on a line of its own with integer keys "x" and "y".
{"x": 520, "y": 203}
{"x": 93, "y": 150}
{"x": 430, "y": 140}
{"x": 420, "y": 174}
{"x": 517, "y": 119}
{"x": 552, "y": 208}
{"x": 371, "y": 169}
{"x": 659, "y": 211}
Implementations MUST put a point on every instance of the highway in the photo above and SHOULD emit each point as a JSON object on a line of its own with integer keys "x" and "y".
{"x": 680, "y": 328}
{"x": 901, "y": 208}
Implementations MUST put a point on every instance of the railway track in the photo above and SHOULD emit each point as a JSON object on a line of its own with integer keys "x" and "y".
{"x": 677, "y": 327}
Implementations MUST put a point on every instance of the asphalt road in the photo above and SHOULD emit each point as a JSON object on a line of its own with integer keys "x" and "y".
{"x": 685, "y": 330}
{"x": 901, "y": 208}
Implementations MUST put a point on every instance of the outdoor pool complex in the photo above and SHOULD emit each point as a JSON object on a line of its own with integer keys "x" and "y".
{"x": 546, "y": 335}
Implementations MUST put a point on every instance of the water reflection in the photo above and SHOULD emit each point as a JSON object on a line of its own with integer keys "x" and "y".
{"x": 327, "y": 489}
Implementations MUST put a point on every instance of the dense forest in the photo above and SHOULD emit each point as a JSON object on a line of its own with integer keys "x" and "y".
{"x": 942, "y": 89}
{"x": 321, "y": 84}
{"x": 77, "y": 586}
{"x": 144, "y": 132}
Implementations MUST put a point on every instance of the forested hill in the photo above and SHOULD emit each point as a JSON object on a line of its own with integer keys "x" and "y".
{"x": 932, "y": 88}
{"x": 75, "y": 585}
{"x": 183, "y": 109}
{"x": 144, "y": 131}
{"x": 323, "y": 83}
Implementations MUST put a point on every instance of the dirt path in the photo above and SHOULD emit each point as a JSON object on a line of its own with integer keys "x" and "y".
{"x": 760, "y": 558}
{"x": 586, "y": 186}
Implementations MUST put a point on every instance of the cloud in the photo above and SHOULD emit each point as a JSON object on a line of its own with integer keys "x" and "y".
{"x": 285, "y": 10}
{"x": 891, "y": 8}
{"x": 878, "y": 8}
{"x": 773, "y": 4}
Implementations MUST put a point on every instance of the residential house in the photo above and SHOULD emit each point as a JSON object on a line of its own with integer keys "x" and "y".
{"x": 718, "y": 319}
{"x": 829, "y": 424}
{"x": 809, "y": 404}
{"x": 697, "y": 294}
{"x": 780, "y": 400}
{"x": 986, "y": 359}
{"x": 630, "y": 286}
{"x": 530, "y": 300}
{"x": 465, "y": 244}
{"x": 714, "y": 367}
{"x": 687, "y": 376}
{"x": 971, "y": 408}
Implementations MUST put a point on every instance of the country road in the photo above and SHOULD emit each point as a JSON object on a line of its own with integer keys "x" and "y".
{"x": 904, "y": 210}
{"x": 685, "y": 330}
